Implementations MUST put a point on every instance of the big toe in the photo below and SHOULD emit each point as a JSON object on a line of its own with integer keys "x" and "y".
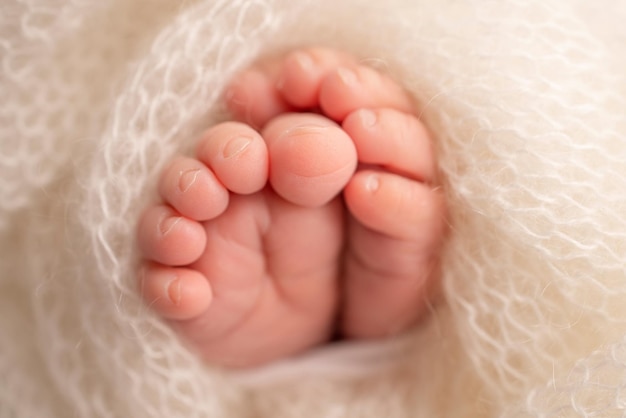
{"x": 311, "y": 158}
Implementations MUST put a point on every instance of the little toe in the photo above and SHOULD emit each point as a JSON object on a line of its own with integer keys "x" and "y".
{"x": 349, "y": 88}
{"x": 393, "y": 140}
{"x": 312, "y": 158}
{"x": 302, "y": 73}
{"x": 237, "y": 155}
{"x": 252, "y": 96}
{"x": 193, "y": 190}
{"x": 169, "y": 238}
{"x": 391, "y": 266}
{"x": 175, "y": 293}
{"x": 396, "y": 206}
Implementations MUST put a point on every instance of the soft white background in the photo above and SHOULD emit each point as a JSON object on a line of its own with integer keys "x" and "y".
{"x": 526, "y": 101}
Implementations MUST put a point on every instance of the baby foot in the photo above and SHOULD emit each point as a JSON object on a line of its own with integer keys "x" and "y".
{"x": 248, "y": 273}
{"x": 396, "y": 214}
{"x": 252, "y": 255}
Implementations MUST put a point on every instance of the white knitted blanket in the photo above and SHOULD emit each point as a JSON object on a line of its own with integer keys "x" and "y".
{"x": 526, "y": 100}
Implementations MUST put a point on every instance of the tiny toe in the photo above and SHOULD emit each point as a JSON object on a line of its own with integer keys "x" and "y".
{"x": 391, "y": 266}
{"x": 193, "y": 190}
{"x": 237, "y": 155}
{"x": 349, "y": 88}
{"x": 396, "y": 206}
{"x": 302, "y": 73}
{"x": 175, "y": 293}
{"x": 312, "y": 158}
{"x": 394, "y": 140}
{"x": 169, "y": 238}
{"x": 252, "y": 96}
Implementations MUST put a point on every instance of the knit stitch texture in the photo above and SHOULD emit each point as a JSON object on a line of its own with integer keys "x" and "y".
{"x": 526, "y": 100}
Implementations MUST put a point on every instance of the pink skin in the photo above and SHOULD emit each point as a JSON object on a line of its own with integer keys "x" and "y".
{"x": 287, "y": 227}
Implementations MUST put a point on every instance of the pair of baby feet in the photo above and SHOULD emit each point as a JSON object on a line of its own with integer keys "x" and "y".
{"x": 314, "y": 214}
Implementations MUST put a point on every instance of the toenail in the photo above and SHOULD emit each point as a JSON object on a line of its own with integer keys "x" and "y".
{"x": 168, "y": 224}
{"x": 372, "y": 183}
{"x": 304, "y": 61}
{"x": 306, "y": 129}
{"x": 235, "y": 146}
{"x": 187, "y": 179}
{"x": 235, "y": 95}
{"x": 347, "y": 76}
{"x": 368, "y": 118}
{"x": 174, "y": 291}
{"x": 231, "y": 95}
